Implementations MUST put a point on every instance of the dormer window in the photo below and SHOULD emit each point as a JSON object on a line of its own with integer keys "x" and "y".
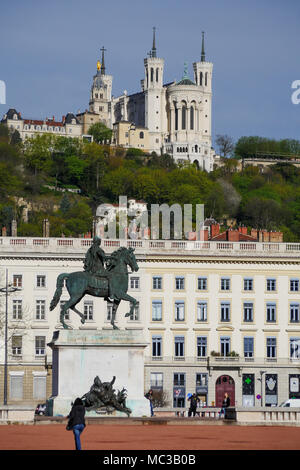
{"x": 73, "y": 121}
{"x": 15, "y": 117}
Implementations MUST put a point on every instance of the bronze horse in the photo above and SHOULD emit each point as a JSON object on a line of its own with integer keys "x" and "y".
{"x": 81, "y": 283}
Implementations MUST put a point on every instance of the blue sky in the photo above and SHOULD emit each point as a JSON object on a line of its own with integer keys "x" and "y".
{"x": 49, "y": 52}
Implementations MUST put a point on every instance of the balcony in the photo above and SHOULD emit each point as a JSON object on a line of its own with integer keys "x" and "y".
{"x": 227, "y": 361}
{"x": 69, "y": 246}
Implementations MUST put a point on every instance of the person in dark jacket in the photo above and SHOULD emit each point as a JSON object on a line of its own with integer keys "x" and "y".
{"x": 193, "y": 404}
{"x": 76, "y": 421}
{"x": 149, "y": 396}
{"x": 225, "y": 404}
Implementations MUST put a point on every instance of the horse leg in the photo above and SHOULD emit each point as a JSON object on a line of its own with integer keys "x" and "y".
{"x": 82, "y": 318}
{"x": 133, "y": 304}
{"x": 113, "y": 313}
{"x": 71, "y": 304}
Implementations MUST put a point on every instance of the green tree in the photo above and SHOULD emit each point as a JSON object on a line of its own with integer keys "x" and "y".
{"x": 100, "y": 132}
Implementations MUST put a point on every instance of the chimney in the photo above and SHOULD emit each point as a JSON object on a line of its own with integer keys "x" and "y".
{"x": 14, "y": 229}
{"x": 203, "y": 235}
{"x": 4, "y": 232}
{"x": 214, "y": 230}
{"x": 233, "y": 235}
{"x": 253, "y": 233}
{"x": 46, "y": 228}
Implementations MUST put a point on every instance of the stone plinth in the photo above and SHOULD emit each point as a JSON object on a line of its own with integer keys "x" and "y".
{"x": 81, "y": 355}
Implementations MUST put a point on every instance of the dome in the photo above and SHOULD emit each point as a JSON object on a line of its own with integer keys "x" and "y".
{"x": 186, "y": 81}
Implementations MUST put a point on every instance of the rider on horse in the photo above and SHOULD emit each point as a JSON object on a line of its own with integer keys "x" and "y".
{"x": 95, "y": 260}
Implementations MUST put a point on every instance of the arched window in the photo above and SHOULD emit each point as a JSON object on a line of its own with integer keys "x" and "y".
{"x": 206, "y": 77}
{"x": 157, "y": 71}
{"x": 183, "y": 117}
{"x": 152, "y": 74}
{"x": 141, "y": 135}
{"x": 192, "y": 118}
{"x": 176, "y": 119}
{"x": 201, "y": 78}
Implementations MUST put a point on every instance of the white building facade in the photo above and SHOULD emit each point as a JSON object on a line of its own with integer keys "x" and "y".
{"x": 217, "y": 316}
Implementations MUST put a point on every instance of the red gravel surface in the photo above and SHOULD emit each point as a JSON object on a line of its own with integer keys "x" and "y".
{"x": 150, "y": 437}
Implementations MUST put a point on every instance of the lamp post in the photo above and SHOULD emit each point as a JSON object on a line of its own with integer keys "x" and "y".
{"x": 262, "y": 372}
{"x": 8, "y": 289}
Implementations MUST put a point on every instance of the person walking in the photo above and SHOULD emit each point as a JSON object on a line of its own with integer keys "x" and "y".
{"x": 76, "y": 421}
{"x": 149, "y": 397}
{"x": 193, "y": 399}
{"x": 225, "y": 404}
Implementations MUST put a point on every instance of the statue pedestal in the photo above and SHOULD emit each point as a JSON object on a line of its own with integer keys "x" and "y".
{"x": 81, "y": 355}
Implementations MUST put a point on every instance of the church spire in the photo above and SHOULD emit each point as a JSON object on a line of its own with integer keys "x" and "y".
{"x": 202, "y": 51}
{"x": 103, "y": 63}
{"x": 153, "y": 52}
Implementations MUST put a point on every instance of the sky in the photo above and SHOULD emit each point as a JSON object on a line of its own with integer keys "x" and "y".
{"x": 49, "y": 52}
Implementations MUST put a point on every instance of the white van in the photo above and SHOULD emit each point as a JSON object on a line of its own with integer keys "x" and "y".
{"x": 292, "y": 402}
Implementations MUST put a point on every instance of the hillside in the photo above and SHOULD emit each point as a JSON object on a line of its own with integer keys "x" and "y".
{"x": 32, "y": 178}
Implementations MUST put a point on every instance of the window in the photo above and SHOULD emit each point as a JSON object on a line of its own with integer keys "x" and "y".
{"x": 17, "y": 280}
{"x": 134, "y": 283}
{"x": 225, "y": 311}
{"x": 179, "y": 346}
{"x": 225, "y": 346}
{"x": 271, "y": 348}
{"x": 201, "y": 346}
{"x": 202, "y": 283}
{"x": 225, "y": 283}
{"x": 41, "y": 281}
{"x": 271, "y": 312}
{"x": 191, "y": 118}
{"x": 294, "y": 348}
{"x": 109, "y": 311}
{"x": 156, "y": 346}
{"x": 156, "y": 310}
{"x": 201, "y": 311}
{"x": 201, "y": 380}
{"x": 179, "y": 311}
{"x": 16, "y": 386}
{"x": 39, "y": 386}
{"x": 248, "y": 284}
{"x": 294, "y": 313}
{"x": 156, "y": 380}
{"x": 40, "y": 309}
{"x": 248, "y": 346}
{"x": 248, "y": 311}
{"x": 157, "y": 282}
{"x": 294, "y": 285}
{"x": 271, "y": 284}
{"x": 88, "y": 310}
{"x": 17, "y": 309}
{"x": 40, "y": 345}
{"x": 183, "y": 117}
{"x": 16, "y": 345}
{"x": 135, "y": 316}
{"x": 179, "y": 390}
{"x": 67, "y": 314}
{"x": 141, "y": 135}
{"x": 179, "y": 283}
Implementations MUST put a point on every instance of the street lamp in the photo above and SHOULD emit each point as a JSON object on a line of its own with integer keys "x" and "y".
{"x": 262, "y": 372}
{"x": 8, "y": 289}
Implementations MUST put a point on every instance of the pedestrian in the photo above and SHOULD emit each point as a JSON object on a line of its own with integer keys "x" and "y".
{"x": 225, "y": 404}
{"x": 76, "y": 421}
{"x": 149, "y": 396}
{"x": 193, "y": 399}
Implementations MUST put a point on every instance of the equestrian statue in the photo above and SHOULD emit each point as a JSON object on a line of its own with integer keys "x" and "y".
{"x": 103, "y": 276}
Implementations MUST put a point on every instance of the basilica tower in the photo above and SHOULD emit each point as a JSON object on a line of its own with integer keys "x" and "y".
{"x": 100, "y": 97}
{"x": 155, "y": 98}
{"x": 203, "y": 78}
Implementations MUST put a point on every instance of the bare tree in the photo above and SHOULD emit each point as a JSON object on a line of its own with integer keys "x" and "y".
{"x": 225, "y": 144}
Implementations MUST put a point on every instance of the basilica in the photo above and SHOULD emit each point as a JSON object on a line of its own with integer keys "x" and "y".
{"x": 173, "y": 118}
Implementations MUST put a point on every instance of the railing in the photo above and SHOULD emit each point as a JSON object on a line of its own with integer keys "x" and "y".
{"x": 174, "y": 247}
{"x": 223, "y": 360}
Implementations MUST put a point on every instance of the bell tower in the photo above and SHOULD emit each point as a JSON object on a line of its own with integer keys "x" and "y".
{"x": 100, "y": 96}
{"x": 154, "y": 97}
{"x": 203, "y": 78}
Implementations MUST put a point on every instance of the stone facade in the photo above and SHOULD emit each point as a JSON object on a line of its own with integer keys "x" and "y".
{"x": 209, "y": 311}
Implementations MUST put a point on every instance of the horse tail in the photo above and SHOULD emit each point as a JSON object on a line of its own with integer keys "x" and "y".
{"x": 58, "y": 292}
